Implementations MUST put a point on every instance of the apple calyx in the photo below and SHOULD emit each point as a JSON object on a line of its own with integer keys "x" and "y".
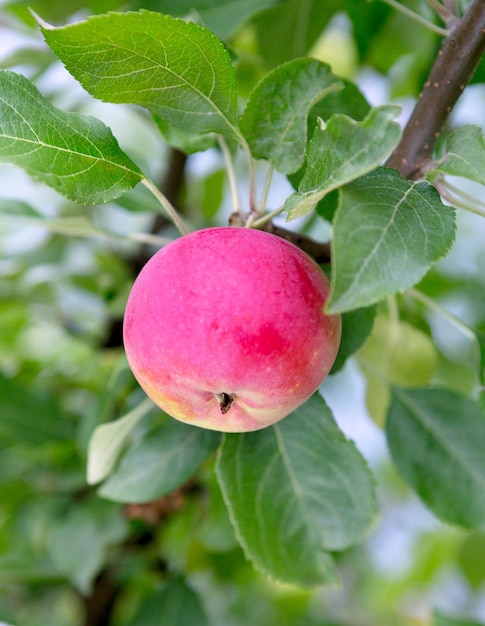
{"x": 225, "y": 401}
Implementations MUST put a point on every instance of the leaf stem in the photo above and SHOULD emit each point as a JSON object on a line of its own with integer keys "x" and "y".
{"x": 252, "y": 176}
{"x": 231, "y": 175}
{"x": 149, "y": 239}
{"x": 455, "y": 321}
{"x": 459, "y": 198}
{"x": 449, "y": 13}
{"x": 416, "y": 17}
{"x": 267, "y": 184}
{"x": 167, "y": 205}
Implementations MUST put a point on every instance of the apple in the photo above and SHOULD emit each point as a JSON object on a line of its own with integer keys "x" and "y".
{"x": 225, "y": 328}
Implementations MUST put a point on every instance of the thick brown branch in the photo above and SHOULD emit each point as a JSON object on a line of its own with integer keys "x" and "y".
{"x": 453, "y": 69}
{"x": 98, "y": 606}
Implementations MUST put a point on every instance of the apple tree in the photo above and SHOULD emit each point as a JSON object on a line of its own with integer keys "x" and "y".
{"x": 351, "y": 130}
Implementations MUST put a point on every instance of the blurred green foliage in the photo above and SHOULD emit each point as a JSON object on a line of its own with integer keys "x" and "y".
{"x": 69, "y": 557}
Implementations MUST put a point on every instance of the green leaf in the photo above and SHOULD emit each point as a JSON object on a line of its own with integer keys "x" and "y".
{"x": 76, "y": 155}
{"x": 108, "y": 441}
{"x": 295, "y": 490}
{"x": 388, "y": 231}
{"x": 274, "y": 121}
{"x": 215, "y": 530}
{"x": 348, "y": 100}
{"x": 176, "y": 69}
{"x": 465, "y": 155}
{"x": 175, "y": 605}
{"x": 79, "y": 541}
{"x": 185, "y": 141}
{"x": 160, "y": 462}
{"x": 341, "y": 151}
{"x": 436, "y": 438}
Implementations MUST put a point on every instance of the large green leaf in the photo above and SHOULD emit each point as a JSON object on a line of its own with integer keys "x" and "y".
{"x": 295, "y": 490}
{"x": 274, "y": 121}
{"x": 341, "y": 151}
{"x": 388, "y": 232}
{"x": 437, "y": 438}
{"x": 160, "y": 462}
{"x": 348, "y": 100}
{"x": 464, "y": 155}
{"x": 177, "y": 69}
{"x": 184, "y": 141}
{"x": 76, "y": 155}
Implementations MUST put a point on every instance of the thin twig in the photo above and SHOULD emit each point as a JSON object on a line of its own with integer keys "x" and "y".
{"x": 416, "y": 17}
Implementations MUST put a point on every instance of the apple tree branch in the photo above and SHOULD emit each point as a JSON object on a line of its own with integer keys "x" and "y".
{"x": 451, "y": 72}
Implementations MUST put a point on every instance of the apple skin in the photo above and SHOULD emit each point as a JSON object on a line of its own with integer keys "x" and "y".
{"x": 224, "y": 328}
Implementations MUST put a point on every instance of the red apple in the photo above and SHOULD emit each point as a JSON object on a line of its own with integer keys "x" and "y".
{"x": 225, "y": 329}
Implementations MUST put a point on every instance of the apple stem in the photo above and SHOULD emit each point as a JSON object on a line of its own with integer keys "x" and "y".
{"x": 167, "y": 205}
